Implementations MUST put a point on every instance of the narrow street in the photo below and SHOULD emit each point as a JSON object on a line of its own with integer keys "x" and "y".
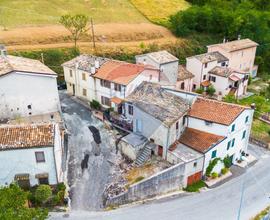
{"x": 87, "y": 179}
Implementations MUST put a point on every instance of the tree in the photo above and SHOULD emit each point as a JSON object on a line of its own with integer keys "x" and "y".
{"x": 43, "y": 193}
{"x": 211, "y": 90}
{"x": 76, "y": 25}
{"x": 13, "y": 205}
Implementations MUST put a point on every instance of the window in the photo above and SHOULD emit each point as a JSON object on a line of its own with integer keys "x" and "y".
{"x": 40, "y": 157}
{"x": 228, "y": 145}
{"x": 182, "y": 86}
{"x": 105, "y": 101}
{"x": 130, "y": 109}
{"x": 105, "y": 83}
{"x": 84, "y": 76}
{"x": 233, "y": 127}
{"x": 233, "y": 141}
{"x": 244, "y": 134}
{"x": 70, "y": 73}
{"x": 43, "y": 180}
{"x": 194, "y": 86}
{"x": 177, "y": 125}
{"x": 223, "y": 64}
{"x": 117, "y": 87}
{"x": 205, "y": 65}
{"x": 195, "y": 164}
{"x": 184, "y": 120}
{"x": 204, "y": 77}
{"x": 214, "y": 154}
{"x": 84, "y": 92}
{"x": 29, "y": 107}
{"x": 208, "y": 123}
{"x": 246, "y": 120}
{"x": 213, "y": 78}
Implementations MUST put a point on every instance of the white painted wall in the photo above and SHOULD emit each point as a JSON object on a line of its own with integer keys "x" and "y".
{"x": 14, "y": 162}
{"x": 18, "y": 90}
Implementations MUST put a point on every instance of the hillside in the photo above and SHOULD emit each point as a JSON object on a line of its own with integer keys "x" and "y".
{"x": 16, "y": 13}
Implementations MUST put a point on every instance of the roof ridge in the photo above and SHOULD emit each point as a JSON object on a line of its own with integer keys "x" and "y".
{"x": 225, "y": 103}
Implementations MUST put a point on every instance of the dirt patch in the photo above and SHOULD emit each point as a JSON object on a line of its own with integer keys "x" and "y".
{"x": 104, "y": 33}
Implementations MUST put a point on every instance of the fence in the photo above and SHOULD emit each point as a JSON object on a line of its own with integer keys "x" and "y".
{"x": 258, "y": 142}
{"x": 165, "y": 181}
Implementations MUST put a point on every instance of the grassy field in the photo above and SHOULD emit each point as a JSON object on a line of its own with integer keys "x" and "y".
{"x": 14, "y": 13}
{"x": 158, "y": 11}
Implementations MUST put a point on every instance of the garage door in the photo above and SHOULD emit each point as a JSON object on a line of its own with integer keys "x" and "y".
{"x": 194, "y": 178}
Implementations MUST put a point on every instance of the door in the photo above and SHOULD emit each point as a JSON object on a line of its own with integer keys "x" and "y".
{"x": 160, "y": 150}
{"x": 139, "y": 125}
{"x": 194, "y": 178}
{"x": 73, "y": 89}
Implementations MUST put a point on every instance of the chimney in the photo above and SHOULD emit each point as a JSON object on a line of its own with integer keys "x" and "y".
{"x": 97, "y": 64}
{"x": 3, "y": 51}
{"x": 93, "y": 70}
{"x": 239, "y": 37}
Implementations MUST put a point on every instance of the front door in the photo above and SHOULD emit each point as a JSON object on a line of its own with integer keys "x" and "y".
{"x": 160, "y": 150}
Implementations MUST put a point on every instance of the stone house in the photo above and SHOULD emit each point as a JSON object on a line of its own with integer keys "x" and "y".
{"x": 31, "y": 154}
{"x": 27, "y": 87}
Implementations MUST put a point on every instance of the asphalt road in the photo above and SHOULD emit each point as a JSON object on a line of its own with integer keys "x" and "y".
{"x": 89, "y": 169}
{"x": 218, "y": 203}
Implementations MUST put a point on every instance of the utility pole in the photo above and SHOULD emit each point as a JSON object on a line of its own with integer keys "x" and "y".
{"x": 93, "y": 35}
{"x": 42, "y": 58}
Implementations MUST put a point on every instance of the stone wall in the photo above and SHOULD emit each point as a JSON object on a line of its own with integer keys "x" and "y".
{"x": 165, "y": 181}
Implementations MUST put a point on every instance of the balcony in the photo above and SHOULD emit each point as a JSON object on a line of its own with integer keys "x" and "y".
{"x": 121, "y": 122}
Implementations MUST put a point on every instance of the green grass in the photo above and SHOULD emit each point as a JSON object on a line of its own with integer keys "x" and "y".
{"x": 260, "y": 130}
{"x": 195, "y": 187}
{"x": 43, "y": 12}
{"x": 158, "y": 11}
{"x": 262, "y": 104}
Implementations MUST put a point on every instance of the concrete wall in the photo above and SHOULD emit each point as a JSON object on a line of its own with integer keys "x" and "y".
{"x": 18, "y": 90}
{"x": 165, "y": 181}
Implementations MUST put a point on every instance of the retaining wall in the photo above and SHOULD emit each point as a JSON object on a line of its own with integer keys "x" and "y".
{"x": 165, "y": 181}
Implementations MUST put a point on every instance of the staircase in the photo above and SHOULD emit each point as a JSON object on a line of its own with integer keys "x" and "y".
{"x": 144, "y": 154}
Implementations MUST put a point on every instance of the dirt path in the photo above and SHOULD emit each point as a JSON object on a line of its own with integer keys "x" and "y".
{"x": 108, "y": 35}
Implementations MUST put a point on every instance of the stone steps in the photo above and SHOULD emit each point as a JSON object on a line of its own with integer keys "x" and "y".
{"x": 144, "y": 155}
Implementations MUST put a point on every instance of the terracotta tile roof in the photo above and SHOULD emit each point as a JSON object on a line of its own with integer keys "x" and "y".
{"x": 116, "y": 100}
{"x": 199, "y": 140}
{"x": 236, "y": 45}
{"x": 12, "y": 63}
{"x": 85, "y": 62}
{"x": 225, "y": 71}
{"x": 119, "y": 72}
{"x": 215, "y": 111}
{"x": 183, "y": 73}
{"x": 26, "y": 136}
{"x": 211, "y": 56}
{"x": 161, "y": 57}
{"x": 157, "y": 102}
{"x": 234, "y": 78}
{"x": 206, "y": 83}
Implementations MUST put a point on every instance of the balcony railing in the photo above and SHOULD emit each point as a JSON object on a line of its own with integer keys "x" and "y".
{"x": 121, "y": 121}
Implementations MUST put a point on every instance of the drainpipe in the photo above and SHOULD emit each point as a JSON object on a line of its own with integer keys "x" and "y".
{"x": 167, "y": 144}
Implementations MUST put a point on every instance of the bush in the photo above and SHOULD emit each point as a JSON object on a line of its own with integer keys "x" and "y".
{"x": 95, "y": 105}
{"x": 211, "y": 90}
{"x": 227, "y": 161}
{"x": 224, "y": 170}
{"x": 200, "y": 90}
{"x": 61, "y": 187}
{"x": 43, "y": 193}
{"x": 214, "y": 175}
{"x": 211, "y": 166}
{"x": 195, "y": 187}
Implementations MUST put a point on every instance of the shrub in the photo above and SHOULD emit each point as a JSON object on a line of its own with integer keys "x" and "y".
{"x": 200, "y": 90}
{"x": 224, "y": 170}
{"x": 211, "y": 90}
{"x": 95, "y": 105}
{"x": 211, "y": 166}
{"x": 214, "y": 175}
{"x": 61, "y": 187}
{"x": 227, "y": 161}
{"x": 195, "y": 187}
{"x": 43, "y": 193}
